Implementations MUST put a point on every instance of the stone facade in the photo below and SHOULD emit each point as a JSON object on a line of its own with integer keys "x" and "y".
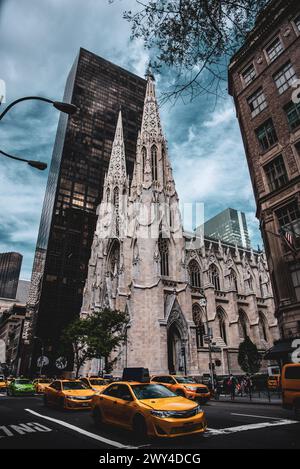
{"x": 144, "y": 263}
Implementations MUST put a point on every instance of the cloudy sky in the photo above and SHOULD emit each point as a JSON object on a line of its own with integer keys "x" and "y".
{"x": 39, "y": 40}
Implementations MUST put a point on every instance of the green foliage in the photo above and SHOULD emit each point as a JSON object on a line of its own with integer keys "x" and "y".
{"x": 249, "y": 358}
{"x": 97, "y": 335}
{"x": 194, "y": 37}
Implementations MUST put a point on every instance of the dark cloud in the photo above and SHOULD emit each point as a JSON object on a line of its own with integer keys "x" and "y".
{"x": 39, "y": 42}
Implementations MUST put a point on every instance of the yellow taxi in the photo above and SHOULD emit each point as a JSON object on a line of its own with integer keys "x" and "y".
{"x": 68, "y": 394}
{"x": 185, "y": 386}
{"x": 290, "y": 384}
{"x": 40, "y": 384}
{"x": 94, "y": 382}
{"x": 148, "y": 409}
{"x": 3, "y": 383}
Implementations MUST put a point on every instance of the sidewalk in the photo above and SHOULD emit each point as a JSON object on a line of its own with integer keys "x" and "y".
{"x": 246, "y": 400}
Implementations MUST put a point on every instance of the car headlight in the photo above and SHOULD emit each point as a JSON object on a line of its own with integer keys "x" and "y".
{"x": 161, "y": 414}
{"x": 191, "y": 388}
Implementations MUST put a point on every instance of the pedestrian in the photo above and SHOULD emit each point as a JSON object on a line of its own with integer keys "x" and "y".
{"x": 232, "y": 386}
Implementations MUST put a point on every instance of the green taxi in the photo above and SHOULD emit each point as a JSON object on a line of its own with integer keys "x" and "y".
{"x": 21, "y": 387}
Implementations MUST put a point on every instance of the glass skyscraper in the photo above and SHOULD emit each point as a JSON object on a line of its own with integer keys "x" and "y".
{"x": 10, "y": 266}
{"x": 80, "y": 159}
{"x": 229, "y": 226}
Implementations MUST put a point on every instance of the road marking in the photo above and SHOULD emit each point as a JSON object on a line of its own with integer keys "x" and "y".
{"x": 254, "y": 426}
{"x": 257, "y": 416}
{"x": 80, "y": 430}
{"x": 23, "y": 429}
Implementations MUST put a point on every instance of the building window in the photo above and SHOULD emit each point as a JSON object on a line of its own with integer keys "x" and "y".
{"x": 154, "y": 162}
{"x": 243, "y": 325}
{"x": 249, "y": 74}
{"x": 200, "y": 327}
{"x": 222, "y": 324}
{"x": 233, "y": 280}
{"x": 262, "y": 327}
{"x": 214, "y": 277}
{"x": 274, "y": 49}
{"x": 276, "y": 173}
{"x": 266, "y": 135}
{"x": 117, "y": 212}
{"x": 195, "y": 275}
{"x": 257, "y": 102}
{"x": 297, "y": 22}
{"x": 293, "y": 115}
{"x": 144, "y": 158}
{"x": 285, "y": 77}
{"x": 288, "y": 215}
{"x": 163, "y": 247}
{"x": 295, "y": 274}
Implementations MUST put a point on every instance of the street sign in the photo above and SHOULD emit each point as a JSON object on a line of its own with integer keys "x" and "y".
{"x": 61, "y": 363}
{"x": 42, "y": 361}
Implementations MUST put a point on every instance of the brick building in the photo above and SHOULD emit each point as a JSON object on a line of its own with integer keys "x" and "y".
{"x": 263, "y": 82}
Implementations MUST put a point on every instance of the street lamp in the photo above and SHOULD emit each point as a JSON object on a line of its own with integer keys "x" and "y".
{"x": 35, "y": 164}
{"x": 67, "y": 108}
{"x": 203, "y": 303}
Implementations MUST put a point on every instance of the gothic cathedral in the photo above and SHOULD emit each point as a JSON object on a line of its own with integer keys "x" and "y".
{"x": 140, "y": 264}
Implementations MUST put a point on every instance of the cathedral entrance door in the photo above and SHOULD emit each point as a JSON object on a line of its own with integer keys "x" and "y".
{"x": 176, "y": 351}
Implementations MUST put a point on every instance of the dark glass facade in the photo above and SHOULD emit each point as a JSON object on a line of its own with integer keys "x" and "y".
{"x": 10, "y": 266}
{"x": 74, "y": 190}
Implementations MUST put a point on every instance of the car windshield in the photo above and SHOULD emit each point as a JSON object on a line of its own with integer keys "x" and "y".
{"x": 185, "y": 380}
{"x": 96, "y": 382}
{"x": 151, "y": 391}
{"x": 73, "y": 386}
{"x": 23, "y": 381}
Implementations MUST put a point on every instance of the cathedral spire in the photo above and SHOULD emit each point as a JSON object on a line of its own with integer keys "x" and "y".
{"x": 151, "y": 120}
{"x": 117, "y": 164}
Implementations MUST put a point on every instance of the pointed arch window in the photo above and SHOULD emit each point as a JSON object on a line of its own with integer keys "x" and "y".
{"x": 262, "y": 326}
{"x": 214, "y": 276}
{"x": 221, "y": 318}
{"x": 144, "y": 158}
{"x": 163, "y": 247}
{"x": 243, "y": 324}
{"x": 200, "y": 327}
{"x": 107, "y": 195}
{"x": 154, "y": 163}
{"x": 195, "y": 274}
{"x": 261, "y": 287}
{"x": 233, "y": 280}
{"x": 117, "y": 212}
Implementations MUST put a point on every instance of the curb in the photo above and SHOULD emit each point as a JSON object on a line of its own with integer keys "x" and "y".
{"x": 236, "y": 401}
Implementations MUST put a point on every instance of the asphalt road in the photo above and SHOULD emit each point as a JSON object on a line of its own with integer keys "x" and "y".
{"x": 26, "y": 423}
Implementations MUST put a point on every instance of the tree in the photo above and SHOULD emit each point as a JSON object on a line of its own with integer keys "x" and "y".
{"x": 195, "y": 37}
{"x": 97, "y": 335}
{"x": 249, "y": 357}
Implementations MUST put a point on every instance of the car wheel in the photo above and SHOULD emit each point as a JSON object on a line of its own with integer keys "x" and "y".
{"x": 45, "y": 399}
{"x": 8, "y": 392}
{"x": 180, "y": 393}
{"x": 97, "y": 417}
{"x": 140, "y": 428}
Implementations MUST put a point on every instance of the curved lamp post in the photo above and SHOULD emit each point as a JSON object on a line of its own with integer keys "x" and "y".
{"x": 67, "y": 108}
